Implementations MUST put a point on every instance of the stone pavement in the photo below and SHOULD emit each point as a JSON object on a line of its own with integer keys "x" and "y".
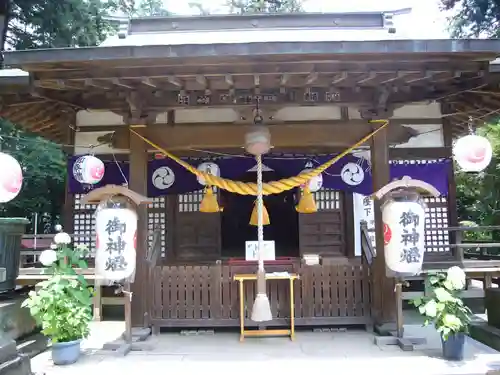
{"x": 351, "y": 352}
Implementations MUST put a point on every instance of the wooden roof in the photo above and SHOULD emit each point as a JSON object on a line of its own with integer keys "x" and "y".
{"x": 138, "y": 80}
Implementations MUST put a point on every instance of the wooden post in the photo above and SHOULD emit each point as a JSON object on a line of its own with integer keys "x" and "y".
{"x": 383, "y": 294}
{"x": 455, "y": 236}
{"x": 68, "y": 214}
{"x": 138, "y": 182}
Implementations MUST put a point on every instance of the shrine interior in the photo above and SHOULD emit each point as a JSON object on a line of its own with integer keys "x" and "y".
{"x": 283, "y": 228}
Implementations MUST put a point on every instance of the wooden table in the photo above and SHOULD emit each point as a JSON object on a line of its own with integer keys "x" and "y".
{"x": 267, "y": 332}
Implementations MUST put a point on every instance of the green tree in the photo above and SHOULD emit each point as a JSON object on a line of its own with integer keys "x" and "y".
{"x": 474, "y": 18}
{"x": 62, "y": 23}
{"x": 44, "y": 172}
{"x": 264, "y": 6}
{"x": 142, "y": 8}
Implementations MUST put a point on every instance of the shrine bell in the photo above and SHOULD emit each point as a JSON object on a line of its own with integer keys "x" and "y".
{"x": 403, "y": 217}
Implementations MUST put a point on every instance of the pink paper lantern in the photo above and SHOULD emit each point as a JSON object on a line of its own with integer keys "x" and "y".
{"x": 11, "y": 178}
{"x": 88, "y": 170}
{"x": 472, "y": 153}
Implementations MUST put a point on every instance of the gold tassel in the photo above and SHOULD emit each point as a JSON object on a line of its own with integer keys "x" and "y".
{"x": 265, "y": 215}
{"x": 306, "y": 205}
{"x": 209, "y": 202}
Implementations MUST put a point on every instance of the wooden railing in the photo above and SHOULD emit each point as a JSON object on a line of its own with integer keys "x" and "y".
{"x": 29, "y": 257}
{"x": 207, "y": 296}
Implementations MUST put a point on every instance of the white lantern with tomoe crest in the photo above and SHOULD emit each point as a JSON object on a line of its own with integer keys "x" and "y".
{"x": 315, "y": 183}
{"x": 116, "y": 238}
{"x": 403, "y": 217}
{"x": 88, "y": 170}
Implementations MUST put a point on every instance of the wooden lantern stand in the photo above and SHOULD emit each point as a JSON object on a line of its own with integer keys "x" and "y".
{"x": 129, "y": 341}
{"x": 396, "y": 337}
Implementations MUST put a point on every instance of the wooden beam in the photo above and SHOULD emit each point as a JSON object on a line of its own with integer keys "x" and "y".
{"x": 120, "y": 83}
{"x": 311, "y": 78}
{"x": 174, "y": 81}
{"x": 148, "y": 82}
{"x": 271, "y": 122}
{"x": 282, "y": 136}
{"x": 424, "y": 153}
{"x": 362, "y": 96}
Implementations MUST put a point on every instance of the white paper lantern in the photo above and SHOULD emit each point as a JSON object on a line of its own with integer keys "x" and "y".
{"x": 472, "y": 153}
{"x": 116, "y": 239}
{"x": 404, "y": 236}
{"x": 88, "y": 170}
{"x": 316, "y": 182}
{"x": 11, "y": 178}
{"x": 210, "y": 168}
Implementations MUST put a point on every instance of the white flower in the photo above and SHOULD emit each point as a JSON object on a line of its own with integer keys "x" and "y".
{"x": 58, "y": 227}
{"x": 456, "y": 277}
{"x": 62, "y": 238}
{"x": 53, "y": 246}
{"x": 47, "y": 257}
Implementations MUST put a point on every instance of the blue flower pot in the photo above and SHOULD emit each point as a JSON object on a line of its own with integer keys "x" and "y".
{"x": 453, "y": 347}
{"x": 66, "y": 353}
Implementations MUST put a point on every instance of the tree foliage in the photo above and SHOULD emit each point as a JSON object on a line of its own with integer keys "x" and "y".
{"x": 144, "y": 8}
{"x": 62, "y": 23}
{"x": 474, "y": 18}
{"x": 44, "y": 171}
{"x": 264, "y": 6}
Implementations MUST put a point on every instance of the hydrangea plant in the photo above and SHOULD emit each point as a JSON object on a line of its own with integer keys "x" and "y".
{"x": 442, "y": 304}
{"x": 61, "y": 305}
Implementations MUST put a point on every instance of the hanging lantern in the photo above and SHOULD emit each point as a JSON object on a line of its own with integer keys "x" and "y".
{"x": 403, "y": 217}
{"x": 315, "y": 183}
{"x": 472, "y": 153}
{"x": 209, "y": 202}
{"x": 116, "y": 238}
{"x": 210, "y": 168}
{"x": 11, "y": 178}
{"x": 88, "y": 170}
{"x": 258, "y": 140}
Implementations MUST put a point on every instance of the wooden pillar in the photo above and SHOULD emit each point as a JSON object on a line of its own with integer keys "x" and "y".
{"x": 138, "y": 182}
{"x": 383, "y": 287}
{"x": 452, "y": 185}
{"x": 68, "y": 211}
{"x": 349, "y": 229}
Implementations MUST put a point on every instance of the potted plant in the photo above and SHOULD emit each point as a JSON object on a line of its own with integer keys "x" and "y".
{"x": 61, "y": 305}
{"x": 443, "y": 307}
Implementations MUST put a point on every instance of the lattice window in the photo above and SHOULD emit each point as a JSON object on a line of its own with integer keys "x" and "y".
{"x": 84, "y": 223}
{"x": 157, "y": 218}
{"x": 190, "y": 202}
{"x": 437, "y": 217}
{"x": 328, "y": 199}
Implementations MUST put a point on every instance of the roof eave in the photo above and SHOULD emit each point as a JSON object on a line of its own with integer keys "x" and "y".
{"x": 488, "y": 47}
